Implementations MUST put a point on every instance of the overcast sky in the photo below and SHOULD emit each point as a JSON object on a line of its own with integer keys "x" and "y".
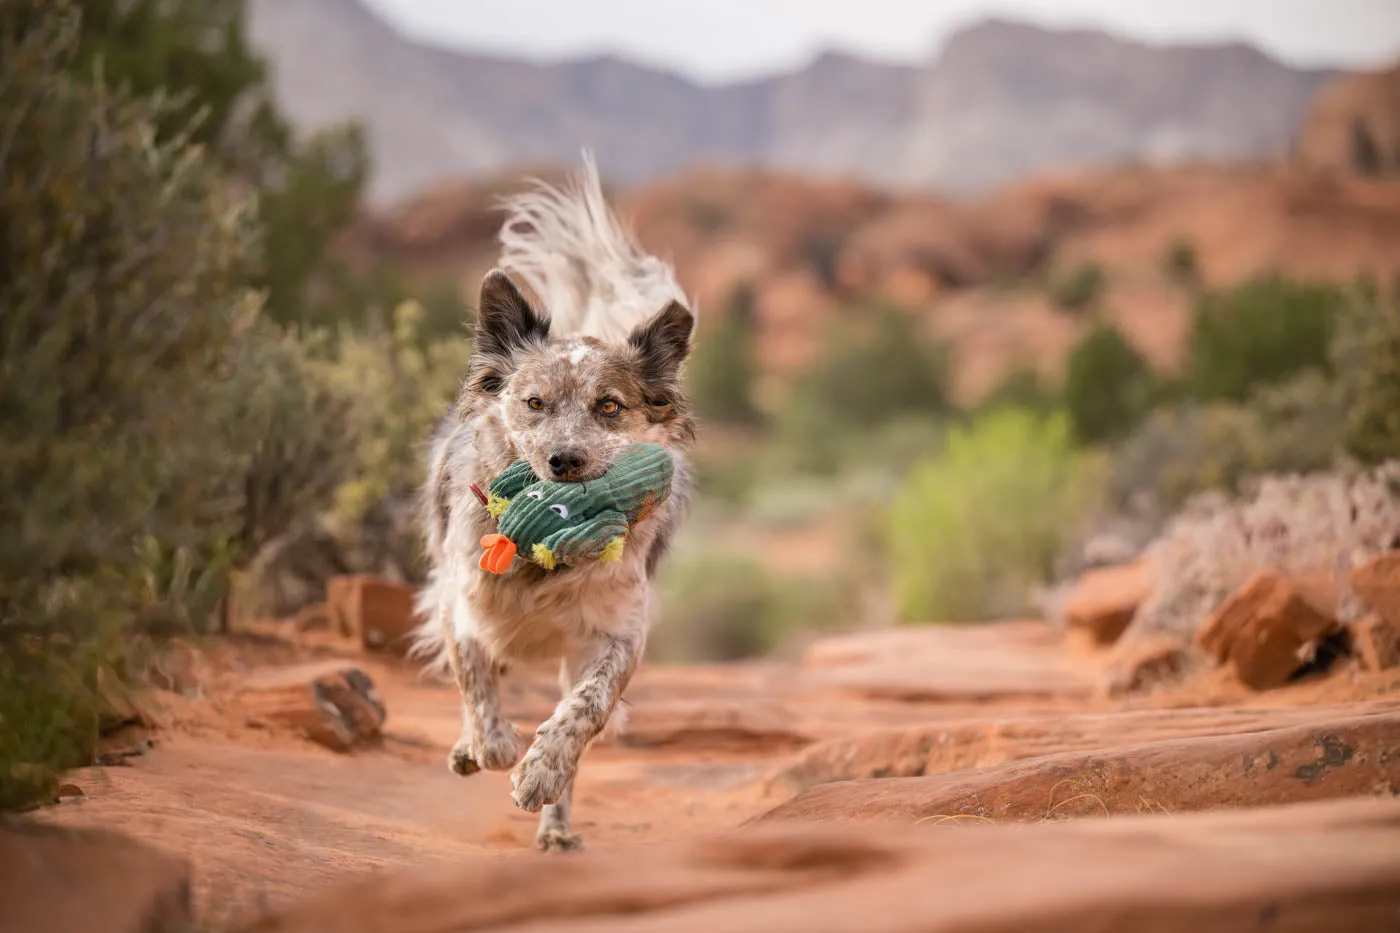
{"x": 718, "y": 40}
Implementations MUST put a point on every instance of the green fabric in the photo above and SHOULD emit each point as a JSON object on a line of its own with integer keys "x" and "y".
{"x": 576, "y": 521}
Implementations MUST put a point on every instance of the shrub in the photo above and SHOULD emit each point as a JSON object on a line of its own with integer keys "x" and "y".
{"x": 1262, "y": 332}
{"x": 726, "y": 606}
{"x": 972, "y": 532}
{"x": 1366, "y": 358}
{"x": 299, "y": 432}
{"x": 401, "y": 385}
{"x": 865, "y": 378}
{"x": 1318, "y": 525}
{"x": 1184, "y": 450}
{"x": 1079, "y": 288}
{"x": 1180, "y": 263}
{"x": 197, "y": 54}
{"x": 1022, "y": 386}
{"x": 1108, "y": 385}
{"x": 886, "y": 370}
{"x": 722, "y": 372}
{"x": 126, "y": 261}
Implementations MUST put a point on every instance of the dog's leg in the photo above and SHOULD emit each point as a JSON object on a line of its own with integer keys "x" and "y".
{"x": 488, "y": 740}
{"x": 556, "y": 833}
{"x": 546, "y": 772}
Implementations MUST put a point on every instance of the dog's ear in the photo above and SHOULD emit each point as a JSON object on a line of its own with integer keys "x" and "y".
{"x": 663, "y": 343}
{"x": 506, "y": 323}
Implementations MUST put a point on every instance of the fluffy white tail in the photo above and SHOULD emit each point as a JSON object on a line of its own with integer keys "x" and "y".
{"x": 589, "y": 272}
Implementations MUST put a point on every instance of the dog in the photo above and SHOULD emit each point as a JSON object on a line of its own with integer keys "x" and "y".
{"x": 564, "y": 386}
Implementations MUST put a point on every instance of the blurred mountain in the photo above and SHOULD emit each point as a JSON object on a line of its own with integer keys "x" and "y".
{"x": 1354, "y": 125}
{"x": 999, "y": 101}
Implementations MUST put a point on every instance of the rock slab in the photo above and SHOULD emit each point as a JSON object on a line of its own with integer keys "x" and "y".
{"x": 58, "y": 880}
{"x": 1302, "y": 869}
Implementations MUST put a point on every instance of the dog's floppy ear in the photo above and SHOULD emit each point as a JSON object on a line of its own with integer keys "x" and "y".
{"x": 663, "y": 344}
{"x": 506, "y": 324}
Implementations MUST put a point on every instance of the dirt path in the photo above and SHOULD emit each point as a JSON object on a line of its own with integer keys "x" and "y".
{"x": 267, "y": 819}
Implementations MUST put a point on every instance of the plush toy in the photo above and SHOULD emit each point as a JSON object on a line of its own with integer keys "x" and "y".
{"x": 553, "y": 523}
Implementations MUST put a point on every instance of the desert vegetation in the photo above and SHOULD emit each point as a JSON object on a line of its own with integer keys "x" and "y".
{"x": 187, "y": 374}
{"x": 217, "y": 378}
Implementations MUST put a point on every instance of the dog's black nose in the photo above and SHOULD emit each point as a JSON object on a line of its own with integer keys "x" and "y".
{"x": 567, "y": 463}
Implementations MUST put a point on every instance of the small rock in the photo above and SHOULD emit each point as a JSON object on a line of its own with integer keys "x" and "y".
{"x": 1376, "y": 642}
{"x": 1264, "y": 631}
{"x": 1103, "y": 601}
{"x": 340, "y": 593}
{"x": 333, "y": 704}
{"x": 1377, "y": 583}
{"x": 380, "y": 613}
{"x": 70, "y": 790}
{"x": 1144, "y": 666}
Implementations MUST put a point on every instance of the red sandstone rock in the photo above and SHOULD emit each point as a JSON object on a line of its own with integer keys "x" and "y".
{"x": 1304, "y": 869}
{"x": 1103, "y": 601}
{"x": 1262, "y": 631}
{"x": 332, "y": 704}
{"x": 1317, "y": 761}
{"x": 1376, "y": 642}
{"x": 56, "y": 880}
{"x": 1377, "y": 582}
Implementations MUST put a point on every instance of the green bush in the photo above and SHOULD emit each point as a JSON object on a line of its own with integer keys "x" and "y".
{"x": 1022, "y": 386}
{"x": 1366, "y": 358}
{"x": 1180, "y": 263}
{"x": 1109, "y": 385}
{"x": 1262, "y": 332}
{"x": 865, "y": 378}
{"x": 1079, "y": 288}
{"x": 196, "y": 54}
{"x": 972, "y": 532}
{"x": 728, "y": 606}
{"x": 299, "y": 428}
{"x": 401, "y": 384}
{"x": 1183, "y": 450}
{"x": 722, "y": 370}
{"x": 123, "y": 298}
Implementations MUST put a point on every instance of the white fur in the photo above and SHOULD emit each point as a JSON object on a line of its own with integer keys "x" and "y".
{"x": 587, "y": 269}
{"x": 597, "y": 286}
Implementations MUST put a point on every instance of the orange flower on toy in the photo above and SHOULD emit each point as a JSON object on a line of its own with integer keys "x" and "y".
{"x": 500, "y": 551}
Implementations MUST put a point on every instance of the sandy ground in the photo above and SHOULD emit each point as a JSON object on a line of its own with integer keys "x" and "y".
{"x": 267, "y": 820}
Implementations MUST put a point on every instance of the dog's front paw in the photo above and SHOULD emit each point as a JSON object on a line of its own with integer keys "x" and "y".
{"x": 462, "y": 760}
{"x": 545, "y": 772}
{"x": 558, "y": 839}
{"x": 500, "y": 749}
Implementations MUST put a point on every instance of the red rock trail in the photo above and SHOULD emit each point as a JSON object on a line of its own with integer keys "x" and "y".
{"x": 733, "y": 800}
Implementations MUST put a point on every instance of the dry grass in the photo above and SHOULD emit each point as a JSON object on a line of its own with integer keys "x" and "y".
{"x": 1314, "y": 527}
{"x": 1052, "y": 813}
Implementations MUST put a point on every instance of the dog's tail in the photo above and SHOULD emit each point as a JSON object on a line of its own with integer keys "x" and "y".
{"x": 587, "y": 269}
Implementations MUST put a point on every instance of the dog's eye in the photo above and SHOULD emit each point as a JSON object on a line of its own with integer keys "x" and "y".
{"x": 534, "y": 494}
{"x": 560, "y": 509}
{"x": 536, "y": 404}
{"x": 610, "y": 407}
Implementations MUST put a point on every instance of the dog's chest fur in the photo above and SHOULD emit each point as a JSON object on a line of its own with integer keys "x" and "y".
{"x": 528, "y": 613}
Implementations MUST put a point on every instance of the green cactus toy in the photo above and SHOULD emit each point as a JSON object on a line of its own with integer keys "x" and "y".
{"x": 553, "y": 523}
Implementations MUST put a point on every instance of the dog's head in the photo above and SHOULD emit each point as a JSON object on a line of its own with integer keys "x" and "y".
{"x": 569, "y": 404}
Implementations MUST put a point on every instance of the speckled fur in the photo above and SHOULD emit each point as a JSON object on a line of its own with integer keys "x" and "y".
{"x": 593, "y": 617}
